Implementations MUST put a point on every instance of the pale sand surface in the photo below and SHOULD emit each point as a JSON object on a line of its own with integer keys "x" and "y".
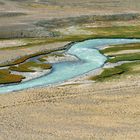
{"x": 32, "y": 75}
{"x": 56, "y": 58}
{"x": 11, "y": 43}
{"x": 92, "y": 111}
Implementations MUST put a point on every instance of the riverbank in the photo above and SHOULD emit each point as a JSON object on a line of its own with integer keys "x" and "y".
{"x": 16, "y": 61}
{"x": 73, "y": 111}
{"x": 64, "y": 71}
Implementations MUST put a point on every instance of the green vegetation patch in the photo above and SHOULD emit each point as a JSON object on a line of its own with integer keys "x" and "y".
{"x": 117, "y": 48}
{"x": 124, "y": 57}
{"x": 127, "y": 68}
{"x": 42, "y": 59}
{"x": 101, "y": 32}
{"x": 108, "y": 73}
{"x": 29, "y": 67}
{"x": 116, "y": 31}
{"x": 6, "y": 77}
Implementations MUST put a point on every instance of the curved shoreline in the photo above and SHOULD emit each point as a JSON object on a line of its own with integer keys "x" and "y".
{"x": 88, "y": 58}
{"x": 69, "y": 45}
{"x": 66, "y": 47}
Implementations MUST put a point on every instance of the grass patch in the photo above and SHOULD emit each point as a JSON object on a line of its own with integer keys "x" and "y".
{"x": 42, "y": 59}
{"x": 116, "y": 31}
{"x": 124, "y": 57}
{"x": 29, "y": 67}
{"x": 6, "y": 77}
{"x": 127, "y": 68}
{"x": 108, "y": 73}
{"x": 117, "y": 48}
{"x": 101, "y": 32}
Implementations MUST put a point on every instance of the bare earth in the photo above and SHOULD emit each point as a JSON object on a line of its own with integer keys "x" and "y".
{"x": 77, "y": 112}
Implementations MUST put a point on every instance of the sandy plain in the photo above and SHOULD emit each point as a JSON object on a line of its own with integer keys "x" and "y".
{"x": 73, "y": 111}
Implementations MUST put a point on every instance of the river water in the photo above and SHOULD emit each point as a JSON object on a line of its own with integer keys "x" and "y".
{"x": 89, "y": 59}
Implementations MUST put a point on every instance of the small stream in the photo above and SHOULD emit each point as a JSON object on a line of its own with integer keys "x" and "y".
{"x": 89, "y": 59}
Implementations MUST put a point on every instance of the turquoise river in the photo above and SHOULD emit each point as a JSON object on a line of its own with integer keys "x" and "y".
{"x": 89, "y": 59}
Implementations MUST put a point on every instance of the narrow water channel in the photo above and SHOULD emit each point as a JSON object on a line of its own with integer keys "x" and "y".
{"x": 89, "y": 59}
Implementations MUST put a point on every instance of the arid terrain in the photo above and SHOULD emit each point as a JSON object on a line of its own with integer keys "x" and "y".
{"x": 78, "y": 111}
{"x": 91, "y": 107}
